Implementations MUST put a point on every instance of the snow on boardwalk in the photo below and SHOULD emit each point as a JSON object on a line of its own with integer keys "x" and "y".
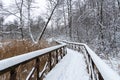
{"x": 71, "y": 67}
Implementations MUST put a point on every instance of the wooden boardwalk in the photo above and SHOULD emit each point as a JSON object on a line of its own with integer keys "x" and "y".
{"x": 95, "y": 67}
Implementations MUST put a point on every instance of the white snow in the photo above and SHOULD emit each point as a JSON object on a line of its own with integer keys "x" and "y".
{"x": 50, "y": 40}
{"x": 114, "y": 63}
{"x": 71, "y": 67}
{"x": 40, "y": 73}
{"x": 30, "y": 73}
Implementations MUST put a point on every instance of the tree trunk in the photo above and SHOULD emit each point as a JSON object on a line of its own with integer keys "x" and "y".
{"x": 29, "y": 20}
{"x": 70, "y": 17}
{"x": 21, "y": 19}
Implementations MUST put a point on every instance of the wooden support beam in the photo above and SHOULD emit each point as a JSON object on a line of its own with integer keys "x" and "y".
{"x": 37, "y": 68}
{"x": 13, "y": 74}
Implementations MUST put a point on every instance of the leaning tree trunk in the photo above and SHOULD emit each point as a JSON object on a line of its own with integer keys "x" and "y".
{"x": 44, "y": 28}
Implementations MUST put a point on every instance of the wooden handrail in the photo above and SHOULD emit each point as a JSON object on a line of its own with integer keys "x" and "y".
{"x": 10, "y": 64}
{"x": 97, "y": 68}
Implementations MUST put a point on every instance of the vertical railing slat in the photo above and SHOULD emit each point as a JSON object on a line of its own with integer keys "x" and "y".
{"x": 56, "y": 56}
{"x": 37, "y": 68}
{"x": 13, "y": 74}
{"x": 50, "y": 61}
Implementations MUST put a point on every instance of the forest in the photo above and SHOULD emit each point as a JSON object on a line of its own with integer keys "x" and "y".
{"x": 94, "y": 22}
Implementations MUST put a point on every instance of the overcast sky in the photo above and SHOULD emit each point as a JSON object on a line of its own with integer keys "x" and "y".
{"x": 41, "y": 10}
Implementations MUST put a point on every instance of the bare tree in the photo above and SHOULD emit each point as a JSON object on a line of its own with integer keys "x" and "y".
{"x": 20, "y": 9}
{"x": 44, "y": 28}
{"x": 69, "y": 4}
{"x": 29, "y": 6}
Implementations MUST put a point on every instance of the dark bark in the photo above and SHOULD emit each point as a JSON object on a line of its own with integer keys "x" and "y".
{"x": 70, "y": 17}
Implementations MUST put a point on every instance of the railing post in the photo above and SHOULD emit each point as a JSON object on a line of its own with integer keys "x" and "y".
{"x": 75, "y": 47}
{"x": 50, "y": 61}
{"x": 61, "y": 53}
{"x": 100, "y": 76}
{"x": 56, "y": 56}
{"x": 93, "y": 68}
{"x": 64, "y": 50}
{"x": 72, "y": 46}
{"x": 78, "y": 48}
{"x": 37, "y": 67}
{"x": 13, "y": 74}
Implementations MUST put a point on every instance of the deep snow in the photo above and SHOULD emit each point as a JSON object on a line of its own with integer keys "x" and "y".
{"x": 71, "y": 67}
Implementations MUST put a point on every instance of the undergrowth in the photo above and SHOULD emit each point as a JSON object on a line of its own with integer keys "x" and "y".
{"x": 12, "y": 48}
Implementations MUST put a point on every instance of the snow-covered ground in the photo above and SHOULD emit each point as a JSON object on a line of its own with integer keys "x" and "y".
{"x": 114, "y": 63}
{"x": 71, "y": 67}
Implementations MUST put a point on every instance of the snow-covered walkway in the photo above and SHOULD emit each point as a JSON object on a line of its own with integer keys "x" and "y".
{"x": 71, "y": 67}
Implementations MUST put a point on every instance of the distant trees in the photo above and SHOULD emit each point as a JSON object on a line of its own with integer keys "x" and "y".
{"x": 17, "y": 11}
{"x": 95, "y": 22}
{"x": 21, "y": 9}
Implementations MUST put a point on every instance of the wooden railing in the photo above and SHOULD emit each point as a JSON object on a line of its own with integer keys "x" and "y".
{"x": 97, "y": 68}
{"x": 9, "y": 67}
